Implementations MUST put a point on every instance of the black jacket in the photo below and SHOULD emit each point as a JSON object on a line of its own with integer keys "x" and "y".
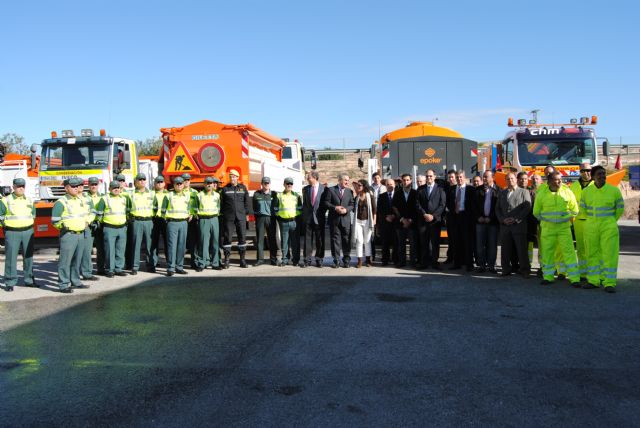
{"x": 234, "y": 203}
{"x": 468, "y": 199}
{"x": 384, "y": 208}
{"x": 405, "y": 208}
{"x": 314, "y": 214}
{"x": 332, "y": 199}
{"x": 433, "y": 204}
{"x": 478, "y": 203}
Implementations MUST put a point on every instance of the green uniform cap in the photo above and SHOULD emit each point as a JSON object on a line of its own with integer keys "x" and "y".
{"x": 114, "y": 184}
{"x": 186, "y": 176}
{"x": 141, "y": 176}
{"x": 19, "y": 182}
{"x": 178, "y": 180}
{"x": 94, "y": 180}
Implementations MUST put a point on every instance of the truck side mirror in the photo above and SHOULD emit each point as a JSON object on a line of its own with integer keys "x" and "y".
{"x": 605, "y": 147}
{"x": 314, "y": 160}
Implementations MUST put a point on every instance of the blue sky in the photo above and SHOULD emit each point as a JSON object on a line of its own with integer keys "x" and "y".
{"x": 318, "y": 71}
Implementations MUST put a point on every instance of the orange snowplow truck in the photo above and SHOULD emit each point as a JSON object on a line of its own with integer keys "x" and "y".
{"x": 209, "y": 148}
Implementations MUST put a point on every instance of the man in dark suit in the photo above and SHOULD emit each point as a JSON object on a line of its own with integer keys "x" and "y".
{"x": 313, "y": 219}
{"x": 431, "y": 205}
{"x": 386, "y": 223}
{"x": 449, "y": 190}
{"x": 404, "y": 203}
{"x": 338, "y": 201}
{"x": 460, "y": 204}
{"x": 486, "y": 223}
{"x": 512, "y": 210}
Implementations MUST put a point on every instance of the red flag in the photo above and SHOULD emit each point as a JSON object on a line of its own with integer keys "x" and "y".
{"x": 618, "y": 162}
{"x": 498, "y": 163}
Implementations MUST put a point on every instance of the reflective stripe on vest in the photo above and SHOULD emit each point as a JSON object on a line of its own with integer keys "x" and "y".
{"x": 142, "y": 204}
{"x": 178, "y": 205}
{"x": 288, "y": 205}
{"x": 209, "y": 203}
{"x": 115, "y": 210}
{"x": 19, "y": 211}
{"x": 74, "y": 214}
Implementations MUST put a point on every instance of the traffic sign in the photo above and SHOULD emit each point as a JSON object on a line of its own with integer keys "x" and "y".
{"x": 181, "y": 161}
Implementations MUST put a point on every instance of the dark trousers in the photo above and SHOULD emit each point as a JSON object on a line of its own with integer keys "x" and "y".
{"x": 313, "y": 234}
{"x": 388, "y": 238}
{"x": 450, "y": 233}
{"x": 159, "y": 230}
{"x": 240, "y": 227}
{"x": 514, "y": 253}
{"x": 405, "y": 234}
{"x": 340, "y": 242}
{"x": 486, "y": 245}
{"x": 266, "y": 225}
{"x": 462, "y": 240}
{"x": 98, "y": 242}
{"x": 193, "y": 236}
{"x": 429, "y": 238}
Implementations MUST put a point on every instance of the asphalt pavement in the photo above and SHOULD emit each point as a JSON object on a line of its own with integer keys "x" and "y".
{"x": 287, "y": 346}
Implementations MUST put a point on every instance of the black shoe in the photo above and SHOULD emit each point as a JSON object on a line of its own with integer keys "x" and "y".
{"x": 91, "y": 278}
{"x": 170, "y": 274}
{"x": 101, "y": 273}
{"x": 480, "y": 270}
{"x": 561, "y": 277}
{"x": 469, "y": 268}
{"x": 259, "y": 263}
{"x": 151, "y": 270}
{"x": 345, "y": 265}
{"x": 492, "y": 270}
{"x": 182, "y": 272}
{"x": 243, "y": 263}
{"x": 216, "y": 267}
{"x": 505, "y": 274}
{"x": 319, "y": 263}
{"x": 121, "y": 273}
{"x": 335, "y": 265}
{"x": 134, "y": 272}
{"x": 303, "y": 264}
{"x": 81, "y": 286}
{"x": 109, "y": 275}
{"x": 589, "y": 286}
{"x": 455, "y": 267}
{"x": 67, "y": 290}
{"x": 576, "y": 284}
{"x": 437, "y": 266}
{"x": 274, "y": 263}
{"x": 400, "y": 265}
{"x": 385, "y": 263}
{"x": 583, "y": 279}
{"x": 225, "y": 264}
{"x": 545, "y": 282}
{"x": 199, "y": 269}
{"x": 8, "y": 288}
{"x": 448, "y": 260}
{"x": 610, "y": 289}
{"x": 420, "y": 266}
{"x": 35, "y": 285}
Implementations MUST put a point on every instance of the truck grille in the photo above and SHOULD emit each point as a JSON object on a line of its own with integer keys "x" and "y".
{"x": 57, "y": 191}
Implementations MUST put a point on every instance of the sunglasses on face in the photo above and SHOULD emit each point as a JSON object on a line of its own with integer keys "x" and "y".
{"x": 585, "y": 170}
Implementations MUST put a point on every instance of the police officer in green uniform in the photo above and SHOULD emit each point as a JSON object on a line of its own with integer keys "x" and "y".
{"x": 91, "y": 199}
{"x": 142, "y": 221}
{"x": 159, "y": 223}
{"x": 208, "y": 210}
{"x": 17, "y": 214}
{"x": 288, "y": 207}
{"x": 265, "y": 221}
{"x": 192, "y": 228}
{"x": 176, "y": 209}
{"x": 114, "y": 208}
{"x": 126, "y": 192}
{"x": 69, "y": 216}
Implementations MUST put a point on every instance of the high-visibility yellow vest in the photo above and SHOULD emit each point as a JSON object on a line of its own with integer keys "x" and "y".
{"x": 555, "y": 207}
{"x": 19, "y": 211}
{"x": 88, "y": 202}
{"x": 142, "y": 204}
{"x": 603, "y": 204}
{"x": 178, "y": 205}
{"x": 115, "y": 210}
{"x": 74, "y": 214}
{"x": 288, "y": 205}
{"x": 577, "y": 190}
{"x": 158, "y": 198}
{"x": 208, "y": 203}
{"x": 193, "y": 194}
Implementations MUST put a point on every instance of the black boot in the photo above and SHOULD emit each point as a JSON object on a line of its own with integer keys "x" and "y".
{"x": 225, "y": 262}
{"x": 243, "y": 261}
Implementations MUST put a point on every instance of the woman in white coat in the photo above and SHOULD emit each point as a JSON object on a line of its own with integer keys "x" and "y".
{"x": 364, "y": 220}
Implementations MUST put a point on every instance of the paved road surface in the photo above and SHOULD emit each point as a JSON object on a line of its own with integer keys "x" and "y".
{"x": 309, "y": 347}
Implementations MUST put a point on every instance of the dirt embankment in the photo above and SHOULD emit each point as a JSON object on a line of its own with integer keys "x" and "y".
{"x": 631, "y": 201}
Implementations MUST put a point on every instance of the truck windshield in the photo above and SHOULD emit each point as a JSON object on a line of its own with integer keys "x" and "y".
{"x": 556, "y": 152}
{"x": 65, "y": 156}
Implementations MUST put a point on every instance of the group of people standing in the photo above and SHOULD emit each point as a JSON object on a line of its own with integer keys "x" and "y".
{"x": 392, "y": 215}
